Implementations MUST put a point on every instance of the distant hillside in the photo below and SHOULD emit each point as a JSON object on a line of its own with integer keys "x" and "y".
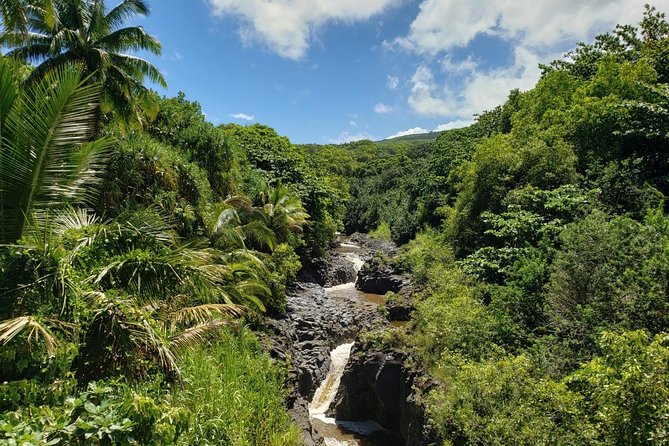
{"x": 413, "y": 139}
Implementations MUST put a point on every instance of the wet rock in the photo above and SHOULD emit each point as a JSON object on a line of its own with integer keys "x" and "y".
{"x": 380, "y": 275}
{"x": 334, "y": 269}
{"x": 379, "y": 386}
{"x": 314, "y": 324}
{"x": 381, "y": 281}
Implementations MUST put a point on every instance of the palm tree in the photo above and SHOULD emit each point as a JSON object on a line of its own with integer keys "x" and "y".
{"x": 283, "y": 212}
{"x": 46, "y": 157}
{"x": 242, "y": 226}
{"x": 53, "y": 33}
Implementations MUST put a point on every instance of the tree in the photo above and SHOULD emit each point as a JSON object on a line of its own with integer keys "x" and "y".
{"x": 85, "y": 32}
{"x": 46, "y": 159}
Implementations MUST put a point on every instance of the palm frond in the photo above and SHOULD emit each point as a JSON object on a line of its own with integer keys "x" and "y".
{"x": 195, "y": 336}
{"x": 14, "y": 14}
{"x": 131, "y": 38}
{"x": 11, "y": 328}
{"x": 145, "y": 336}
{"x": 72, "y": 219}
{"x": 126, "y": 10}
{"x": 204, "y": 313}
{"x": 40, "y": 168}
{"x": 138, "y": 68}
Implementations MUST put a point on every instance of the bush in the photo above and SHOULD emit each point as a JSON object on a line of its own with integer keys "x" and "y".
{"x": 627, "y": 389}
{"x": 500, "y": 402}
{"x": 234, "y": 396}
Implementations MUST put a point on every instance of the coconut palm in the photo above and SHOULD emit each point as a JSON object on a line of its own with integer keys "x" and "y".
{"x": 242, "y": 225}
{"x": 283, "y": 212}
{"x": 46, "y": 157}
{"x": 15, "y": 13}
{"x": 59, "y": 32}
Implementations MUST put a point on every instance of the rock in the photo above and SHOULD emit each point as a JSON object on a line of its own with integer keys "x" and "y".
{"x": 399, "y": 306}
{"x": 334, "y": 269}
{"x": 379, "y": 386}
{"x": 379, "y": 275}
{"x": 371, "y": 246}
{"x": 380, "y": 282}
{"x": 314, "y": 325}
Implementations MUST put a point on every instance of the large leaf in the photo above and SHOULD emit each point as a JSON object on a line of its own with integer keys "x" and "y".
{"x": 47, "y": 160}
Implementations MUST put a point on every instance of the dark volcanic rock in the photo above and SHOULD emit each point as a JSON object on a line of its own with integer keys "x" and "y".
{"x": 380, "y": 281}
{"x": 379, "y": 274}
{"x": 401, "y": 305}
{"x": 371, "y": 246}
{"x": 335, "y": 269}
{"x": 314, "y": 324}
{"x": 378, "y": 386}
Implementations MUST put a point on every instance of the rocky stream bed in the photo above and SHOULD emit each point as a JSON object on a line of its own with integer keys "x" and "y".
{"x": 342, "y": 392}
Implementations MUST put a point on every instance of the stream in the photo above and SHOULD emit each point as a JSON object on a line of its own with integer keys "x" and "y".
{"x": 339, "y": 432}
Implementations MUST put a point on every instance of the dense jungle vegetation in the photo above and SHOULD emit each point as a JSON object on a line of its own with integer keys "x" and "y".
{"x": 139, "y": 243}
{"x": 540, "y": 238}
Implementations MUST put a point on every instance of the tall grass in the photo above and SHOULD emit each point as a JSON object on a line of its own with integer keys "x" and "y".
{"x": 235, "y": 396}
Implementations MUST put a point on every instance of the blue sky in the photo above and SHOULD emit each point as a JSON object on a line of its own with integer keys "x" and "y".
{"x": 322, "y": 71}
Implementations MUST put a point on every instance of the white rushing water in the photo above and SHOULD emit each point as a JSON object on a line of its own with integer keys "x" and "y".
{"x": 337, "y": 432}
{"x": 327, "y": 391}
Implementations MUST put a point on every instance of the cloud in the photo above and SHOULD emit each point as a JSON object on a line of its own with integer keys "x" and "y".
{"x": 413, "y": 131}
{"x": 458, "y": 124}
{"x": 243, "y": 116}
{"x": 459, "y": 67}
{"x": 393, "y": 83}
{"x": 382, "y": 108}
{"x": 479, "y": 91}
{"x": 287, "y": 27}
{"x": 350, "y": 137}
{"x": 442, "y": 25}
{"x": 352, "y": 123}
{"x": 425, "y": 99}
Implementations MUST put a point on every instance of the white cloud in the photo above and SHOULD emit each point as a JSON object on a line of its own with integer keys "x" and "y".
{"x": 350, "y": 137}
{"x": 243, "y": 116}
{"x": 413, "y": 131}
{"x": 352, "y": 123}
{"x": 393, "y": 83}
{"x": 425, "y": 99}
{"x": 382, "y": 108}
{"x": 458, "y": 124}
{"x": 288, "y": 26}
{"x": 463, "y": 66}
{"x": 445, "y": 24}
{"x": 480, "y": 91}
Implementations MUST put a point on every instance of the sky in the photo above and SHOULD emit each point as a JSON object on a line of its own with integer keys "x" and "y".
{"x": 334, "y": 71}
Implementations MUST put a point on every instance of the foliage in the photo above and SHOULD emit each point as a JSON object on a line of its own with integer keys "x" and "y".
{"x": 143, "y": 173}
{"x": 626, "y": 389}
{"x": 543, "y": 268}
{"x": 233, "y": 396}
{"x": 181, "y": 124}
{"x": 58, "y": 33}
{"x": 500, "y": 402}
{"x": 133, "y": 299}
{"x": 99, "y": 415}
{"x": 47, "y": 158}
{"x": 382, "y": 232}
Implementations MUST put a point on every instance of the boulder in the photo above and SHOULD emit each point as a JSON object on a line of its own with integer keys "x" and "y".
{"x": 378, "y": 386}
